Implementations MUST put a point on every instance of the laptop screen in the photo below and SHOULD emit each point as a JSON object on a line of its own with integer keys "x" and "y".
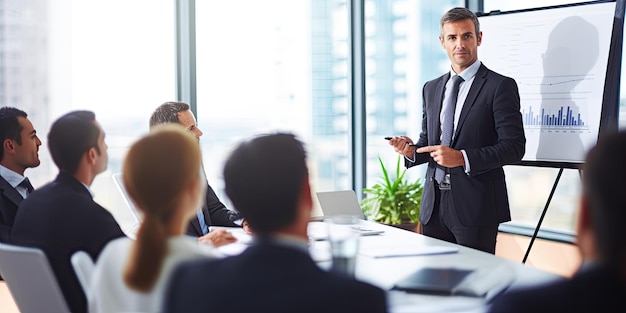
{"x": 342, "y": 202}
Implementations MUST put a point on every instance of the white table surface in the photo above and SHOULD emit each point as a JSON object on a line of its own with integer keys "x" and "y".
{"x": 385, "y": 271}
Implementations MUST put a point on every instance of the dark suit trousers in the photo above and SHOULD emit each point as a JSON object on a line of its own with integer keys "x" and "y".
{"x": 445, "y": 225}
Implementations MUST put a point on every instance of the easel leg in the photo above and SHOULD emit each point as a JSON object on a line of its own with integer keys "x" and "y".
{"x": 543, "y": 214}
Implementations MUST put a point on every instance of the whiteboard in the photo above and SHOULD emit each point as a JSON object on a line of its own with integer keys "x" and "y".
{"x": 558, "y": 56}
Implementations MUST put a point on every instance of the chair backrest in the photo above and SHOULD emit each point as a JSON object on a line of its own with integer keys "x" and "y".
{"x": 83, "y": 267}
{"x": 31, "y": 280}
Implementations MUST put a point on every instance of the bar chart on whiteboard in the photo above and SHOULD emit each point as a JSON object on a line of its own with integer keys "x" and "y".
{"x": 558, "y": 57}
{"x": 560, "y": 114}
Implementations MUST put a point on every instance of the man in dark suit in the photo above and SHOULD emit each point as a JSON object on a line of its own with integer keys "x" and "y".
{"x": 214, "y": 212}
{"x": 267, "y": 180}
{"x": 19, "y": 150}
{"x": 600, "y": 283}
{"x": 467, "y": 136}
{"x": 61, "y": 217}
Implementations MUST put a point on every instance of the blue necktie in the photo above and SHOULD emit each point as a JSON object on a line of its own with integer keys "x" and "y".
{"x": 447, "y": 125}
{"x": 203, "y": 226}
{"x": 26, "y": 184}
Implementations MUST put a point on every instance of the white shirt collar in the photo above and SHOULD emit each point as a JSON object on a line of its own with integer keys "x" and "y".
{"x": 469, "y": 72}
{"x": 10, "y": 176}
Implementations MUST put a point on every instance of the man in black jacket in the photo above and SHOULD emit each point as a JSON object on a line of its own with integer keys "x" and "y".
{"x": 214, "y": 212}
{"x": 61, "y": 217}
{"x": 19, "y": 150}
{"x": 267, "y": 180}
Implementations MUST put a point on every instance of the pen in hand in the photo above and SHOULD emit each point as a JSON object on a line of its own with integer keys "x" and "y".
{"x": 410, "y": 144}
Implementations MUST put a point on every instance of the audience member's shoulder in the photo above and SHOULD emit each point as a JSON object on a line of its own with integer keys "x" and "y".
{"x": 347, "y": 287}
{"x": 360, "y": 285}
{"x": 190, "y": 272}
{"x": 546, "y": 298}
{"x": 196, "y": 266}
{"x": 358, "y": 296}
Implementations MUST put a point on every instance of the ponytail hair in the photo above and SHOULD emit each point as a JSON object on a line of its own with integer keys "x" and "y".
{"x": 156, "y": 171}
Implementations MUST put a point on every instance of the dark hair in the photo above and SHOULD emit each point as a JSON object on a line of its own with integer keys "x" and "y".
{"x": 167, "y": 113}
{"x": 459, "y": 14}
{"x": 10, "y": 127}
{"x": 604, "y": 189}
{"x": 263, "y": 178}
{"x": 70, "y": 137}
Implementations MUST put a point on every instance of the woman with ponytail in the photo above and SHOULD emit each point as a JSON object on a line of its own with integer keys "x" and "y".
{"x": 161, "y": 173}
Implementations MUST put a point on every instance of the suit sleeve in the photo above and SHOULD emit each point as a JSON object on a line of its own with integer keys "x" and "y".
{"x": 510, "y": 140}
{"x": 219, "y": 214}
{"x": 5, "y": 225}
{"x": 107, "y": 229}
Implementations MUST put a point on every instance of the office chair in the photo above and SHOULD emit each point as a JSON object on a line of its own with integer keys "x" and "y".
{"x": 30, "y": 279}
{"x": 83, "y": 267}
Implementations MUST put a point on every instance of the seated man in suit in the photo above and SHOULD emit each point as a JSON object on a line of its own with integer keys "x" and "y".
{"x": 213, "y": 212}
{"x": 61, "y": 217}
{"x": 267, "y": 181}
{"x": 600, "y": 283}
{"x": 19, "y": 150}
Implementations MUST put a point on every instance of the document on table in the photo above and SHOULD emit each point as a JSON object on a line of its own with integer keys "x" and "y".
{"x": 234, "y": 248}
{"x": 243, "y": 241}
{"x": 319, "y": 231}
{"x": 388, "y": 252}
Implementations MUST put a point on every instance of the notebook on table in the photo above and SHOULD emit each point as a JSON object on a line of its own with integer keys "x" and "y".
{"x": 344, "y": 202}
{"x": 443, "y": 281}
{"x": 457, "y": 281}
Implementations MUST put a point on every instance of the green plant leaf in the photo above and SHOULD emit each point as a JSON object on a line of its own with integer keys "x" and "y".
{"x": 393, "y": 200}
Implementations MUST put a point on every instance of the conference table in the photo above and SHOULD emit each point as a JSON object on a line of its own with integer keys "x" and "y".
{"x": 394, "y": 254}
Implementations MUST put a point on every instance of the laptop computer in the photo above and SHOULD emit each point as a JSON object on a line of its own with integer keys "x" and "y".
{"x": 343, "y": 202}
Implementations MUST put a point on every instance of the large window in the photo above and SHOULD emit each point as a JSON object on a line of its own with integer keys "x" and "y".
{"x": 262, "y": 66}
{"x": 402, "y": 52}
{"x": 275, "y": 65}
{"x": 114, "y": 57}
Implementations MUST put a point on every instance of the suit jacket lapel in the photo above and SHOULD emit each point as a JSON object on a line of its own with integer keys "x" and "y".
{"x": 207, "y": 215}
{"x": 477, "y": 85}
{"x": 434, "y": 131}
{"x": 196, "y": 224}
{"x": 10, "y": 192}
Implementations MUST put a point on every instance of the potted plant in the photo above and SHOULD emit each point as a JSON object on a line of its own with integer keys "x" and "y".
{"x": 394, "y": 200}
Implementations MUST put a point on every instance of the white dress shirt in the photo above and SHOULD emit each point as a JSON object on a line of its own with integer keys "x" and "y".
{"x": 108, "y": 292}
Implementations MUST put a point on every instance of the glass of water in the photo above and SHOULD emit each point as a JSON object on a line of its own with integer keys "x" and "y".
{"x": 344, "y": 242}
